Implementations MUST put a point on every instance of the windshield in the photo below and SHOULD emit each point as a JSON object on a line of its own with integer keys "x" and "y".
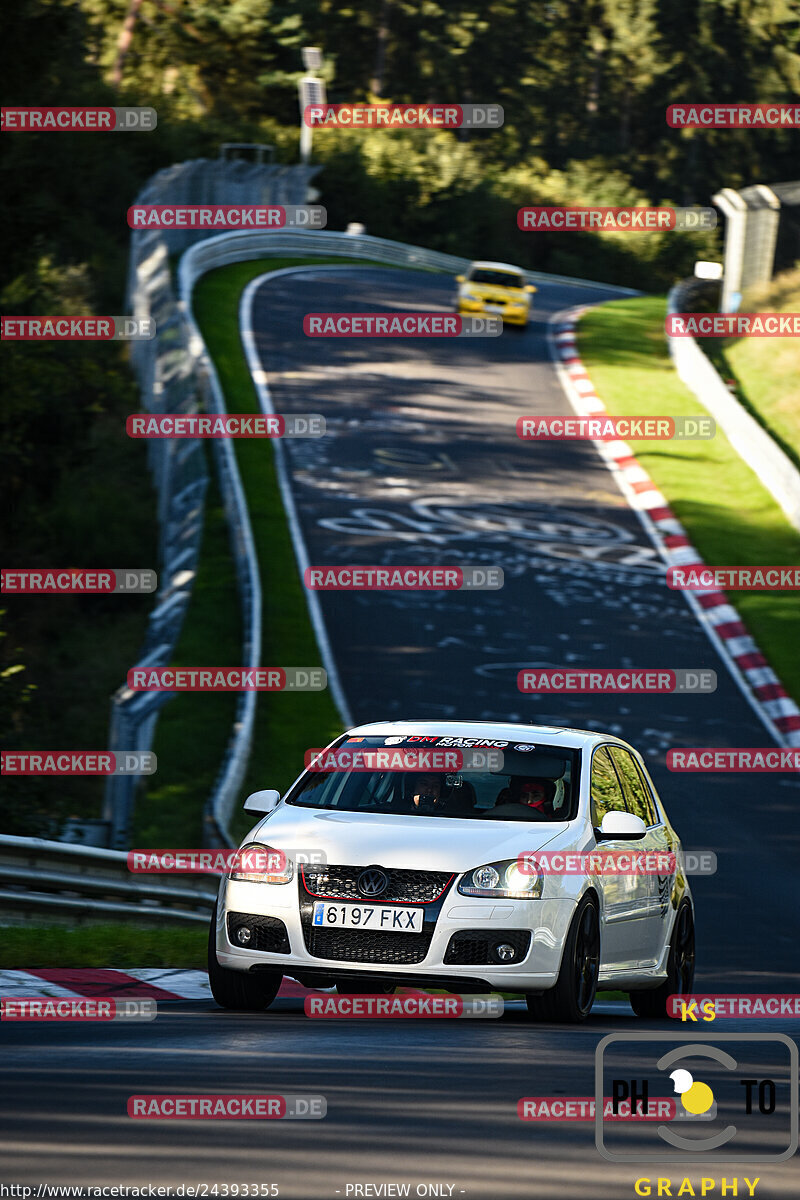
{"x": 498, "y": 278}
{"x": 533, "y": 784}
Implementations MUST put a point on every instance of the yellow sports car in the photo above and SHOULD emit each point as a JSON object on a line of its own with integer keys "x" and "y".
{"x": 491, "y": 287}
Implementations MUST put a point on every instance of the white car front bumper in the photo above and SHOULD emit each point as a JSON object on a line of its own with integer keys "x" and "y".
{"x": 536, "y": 970}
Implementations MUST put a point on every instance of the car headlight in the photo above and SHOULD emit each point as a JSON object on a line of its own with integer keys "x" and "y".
{"x": 256, "y": 863}
{"x": 467, "y": 295}
{"x": 506, "y": 880}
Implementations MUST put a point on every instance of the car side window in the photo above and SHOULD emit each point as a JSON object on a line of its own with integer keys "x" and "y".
{"x": 648, "y": 791}
{"x": 637, "y": 799}
{"x": 606, "y": 793}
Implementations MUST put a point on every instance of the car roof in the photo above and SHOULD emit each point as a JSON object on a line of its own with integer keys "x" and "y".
{"x": 508, "y": 731}
{"x": 498, "y": 266}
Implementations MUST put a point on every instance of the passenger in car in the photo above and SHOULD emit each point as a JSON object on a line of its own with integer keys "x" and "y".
{"x": 535, "y": 793}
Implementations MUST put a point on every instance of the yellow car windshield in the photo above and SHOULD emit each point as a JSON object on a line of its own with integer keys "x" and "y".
{"x": 496, "y": 278}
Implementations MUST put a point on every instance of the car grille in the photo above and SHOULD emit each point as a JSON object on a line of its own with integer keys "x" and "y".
{"x": 266, "y": 933}
{"x": 364, "y": 945}
{"x": 404, "y": 887}
{"x": 473, "y": 947}
{"x": 367, "y": 945}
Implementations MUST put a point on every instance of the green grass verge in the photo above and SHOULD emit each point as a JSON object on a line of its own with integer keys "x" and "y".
{"x": 193, "y": 727}
{"x": 27, "y": 947}
{"x": 729, "y": 515}
{"x": 767, "y": 370}
{"x": 286, "y": 724}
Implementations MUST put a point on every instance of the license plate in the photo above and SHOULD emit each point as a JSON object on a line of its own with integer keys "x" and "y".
{"x": 367, "y": 916}
{"x": 498, "y": 308}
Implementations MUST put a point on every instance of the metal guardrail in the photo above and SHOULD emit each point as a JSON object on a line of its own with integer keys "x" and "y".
{"x": 216, "y": 816}
{"x": 172, "y": 370}
{"x": 241, "y": 245}
{"x": 750, "y": 440}
{"x": 64, "y": 883}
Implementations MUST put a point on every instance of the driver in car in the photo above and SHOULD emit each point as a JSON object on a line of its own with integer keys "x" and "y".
{"x": 426, "y": 792}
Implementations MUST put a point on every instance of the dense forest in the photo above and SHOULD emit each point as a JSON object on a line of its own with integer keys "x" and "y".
{"x": 584, "y": 85}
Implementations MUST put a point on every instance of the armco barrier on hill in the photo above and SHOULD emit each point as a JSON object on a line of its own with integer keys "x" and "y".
{"x": 750, "y": 440}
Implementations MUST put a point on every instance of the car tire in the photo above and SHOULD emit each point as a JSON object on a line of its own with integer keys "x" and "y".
{"x": 680, "y": 969}
{"x": 571, "y": 1000}
{"x": 239, "y": 989}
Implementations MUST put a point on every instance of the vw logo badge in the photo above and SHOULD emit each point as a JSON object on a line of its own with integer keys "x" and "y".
{"x": 372, "y": 882}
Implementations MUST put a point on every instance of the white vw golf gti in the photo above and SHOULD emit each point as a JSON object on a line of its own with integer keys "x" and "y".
{"x": 407, "y": 855}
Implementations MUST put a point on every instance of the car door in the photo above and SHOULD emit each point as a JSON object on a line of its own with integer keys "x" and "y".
{"x": 657, "y": 887}
{"x": 626, "y": 898}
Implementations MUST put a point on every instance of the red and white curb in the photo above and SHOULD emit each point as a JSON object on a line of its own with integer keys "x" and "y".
{"x": 153, "y": 983}
{"x": 162, "y": 985}
{"x": 751, "y": 671}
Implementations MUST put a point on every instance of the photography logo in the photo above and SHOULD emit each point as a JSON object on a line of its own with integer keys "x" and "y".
{"x": 733, "y": 1105}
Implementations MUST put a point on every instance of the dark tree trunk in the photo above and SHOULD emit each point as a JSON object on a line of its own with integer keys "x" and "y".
{"x": 377, "y": 81}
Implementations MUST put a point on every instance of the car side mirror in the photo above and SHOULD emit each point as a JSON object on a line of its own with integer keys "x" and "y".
{"x": 623, "y": 825}
{"x": 262, "y": 803}
{"x": 461, "y": 278}
{"x": 530, "y": 288}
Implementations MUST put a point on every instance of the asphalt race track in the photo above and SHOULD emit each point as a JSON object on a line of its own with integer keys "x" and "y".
{"x": 422, "y": 465}
{"x": 408, "y": 1101}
